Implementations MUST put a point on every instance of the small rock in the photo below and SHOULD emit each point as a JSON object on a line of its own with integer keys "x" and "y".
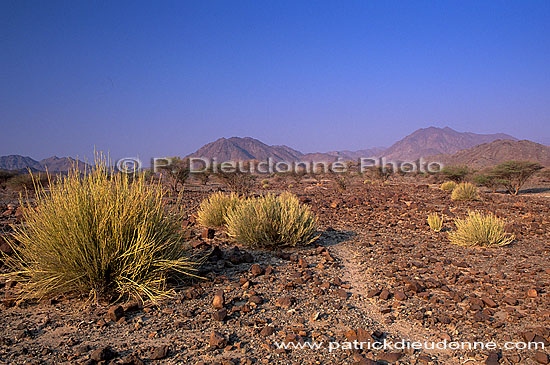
{"x": 285, "y": 302}
{"x": 267, "y": 331}
{"x": 492, "y": 359}
{"x": 103, "y": 354}
{"x": 217, "y": 340}
{"x": 541, "y": 357}
{"x": 220, "y": 314}
{"x": 219, "y": 300}
{"x": 302, "y": 263}
{"x": 256, "y": 270}
{"x": 208, "y": 234}
{"x": 160, "y": 352}
{"x": 532, "y": 293}
{"x": 400, "y": 296}
{"x": 384, "y": 294}
{"x": 115, "y": 313}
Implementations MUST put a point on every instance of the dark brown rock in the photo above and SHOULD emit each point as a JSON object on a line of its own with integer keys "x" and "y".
{"x": 256, "y": 270}
{"x": 103, "y": 354}
{"x": 115, "y": 313}
{"x": 217, "y": 340}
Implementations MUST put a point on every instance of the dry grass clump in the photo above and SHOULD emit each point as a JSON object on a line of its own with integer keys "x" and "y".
{"x": 98, "y": 234}
{"x": 465, "y": 191}
{"x": 448, "y": 186}
{"x": 479, "y": 229}
{"x": 212, "y": 211}
{"x": 272, "y": 221}
{"x": 435, "y": 222}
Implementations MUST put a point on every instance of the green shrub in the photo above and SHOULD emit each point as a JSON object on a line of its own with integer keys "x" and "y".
{"x": 464, "y": 191}
{"x": 212, "y": 211}
{"x": 100, "y": 235}
{"x": 448, "y": 186}
{"x": 455, "y": 173}
{"x": 480, "y": 230}
{"x": 513, "y": 174}
{"x": 435, "y": 222}
{"x": 272, "y": 221}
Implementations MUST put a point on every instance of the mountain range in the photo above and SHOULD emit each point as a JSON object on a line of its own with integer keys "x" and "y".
{"x": 491, "y": 154}
{"x": 436, "y": 144}
{"x": 24, "y": 163}
{"x": 421, "y": 143}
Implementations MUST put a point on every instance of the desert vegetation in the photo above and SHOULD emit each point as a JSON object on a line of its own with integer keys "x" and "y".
{"x": 465, "y": 191}
{"x": 435, "y": 222}
{"x": 98, "y": 235}
{"x": 271, "y": 221}
{"x": 479, "y": 229}
{"x": 213, "y": 210}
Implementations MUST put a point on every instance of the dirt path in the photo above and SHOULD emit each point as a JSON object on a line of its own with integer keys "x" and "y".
{"x": 355, "y": 270}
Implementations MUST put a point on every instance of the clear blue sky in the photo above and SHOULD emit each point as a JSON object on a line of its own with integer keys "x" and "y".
{"x": 163, "y": 78}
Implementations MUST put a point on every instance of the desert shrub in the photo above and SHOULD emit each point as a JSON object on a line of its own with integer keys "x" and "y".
{"x": 488, "y": 180}
{"x": 464, "y": 191}
{"x": 5, "y": 175}
{"x": 435, "y": 222}
{"x": 98, "y": 234}
{"x": 514, "y": 174}
{"x": 175, "y": 173}
{"x": 448, "y": 186}
{"x": 272, "y": 221}
{"x": 237, "y": 181}
{"x": 213, "y": 210}
{"x": 455, "y": 173}
{"x": 480, "y": 230}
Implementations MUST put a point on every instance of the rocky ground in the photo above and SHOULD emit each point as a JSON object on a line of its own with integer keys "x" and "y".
{"x": 376, "y": 272}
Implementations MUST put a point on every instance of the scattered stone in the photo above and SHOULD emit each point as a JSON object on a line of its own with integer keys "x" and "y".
{"x": 217, "y": 340}
{"x": 103, "y": 354}
{"x": 399, "y": 295}
{"x": 384, "y": 294}
{"x": 256, "y": 270}
{"x": 285, "y": 302}
{"x": 160, "y": 352}
{"x": 208, "y": 234}
{"x": 541, "y": 357}
{"x": 302, "y": 263}
{"x": 115, "y": 313}
{"x": 219, "y": 315}
{"x": 267, "y": 331}
{"x": 219, "y": 300}
{"x": 492, "y": 359}
{"x": 532, "y": 293}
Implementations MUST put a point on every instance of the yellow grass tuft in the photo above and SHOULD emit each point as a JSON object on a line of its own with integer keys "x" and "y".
{"x": 448, "y": 186}
{"x": 480, "y": 230}
{"x": 465, "y": 191}
{"x": 272, "y": 221}
{"x": 212, "y": 211}
{"x": 99, "y": 234}
{"x": 435, "y": 222}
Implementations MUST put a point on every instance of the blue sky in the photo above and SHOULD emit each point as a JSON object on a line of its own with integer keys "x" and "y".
{"x": 163, "y": 78}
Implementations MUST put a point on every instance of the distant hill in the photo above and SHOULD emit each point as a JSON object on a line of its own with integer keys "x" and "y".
{"x": 18, "y": 162}
{"x": 432, "y": 141}
{"x": 247, "y": 148}
{"x": 23, "y": 163}
{"x": 490, "y": 154}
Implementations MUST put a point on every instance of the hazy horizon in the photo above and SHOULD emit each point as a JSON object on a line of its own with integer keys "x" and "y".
{"x": 147, "y": 79}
